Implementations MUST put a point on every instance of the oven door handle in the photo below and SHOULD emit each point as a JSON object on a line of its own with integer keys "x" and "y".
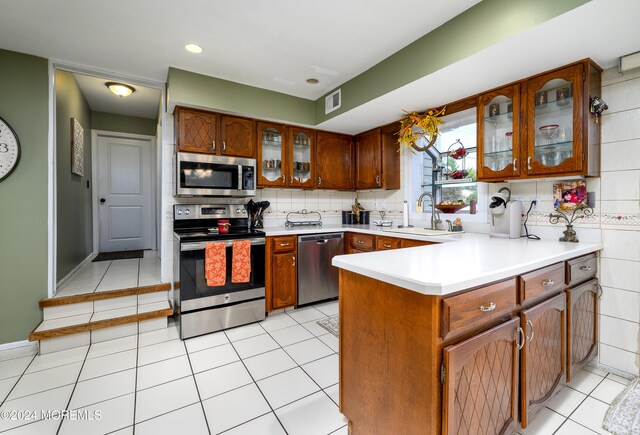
{"x": 196, "y": 246}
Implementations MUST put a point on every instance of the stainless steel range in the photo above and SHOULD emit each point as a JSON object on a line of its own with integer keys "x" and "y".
{"x": 201, "y": 309}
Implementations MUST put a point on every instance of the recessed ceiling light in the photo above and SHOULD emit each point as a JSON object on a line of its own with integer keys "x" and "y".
{"x": 120, "y": 89}
{"x": 312, "y": 81}
{"x": 193, "y": 48}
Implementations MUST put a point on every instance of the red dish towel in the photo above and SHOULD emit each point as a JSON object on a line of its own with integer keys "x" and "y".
{"x": 241, "y": 261}
{"x": 215, "y": 264}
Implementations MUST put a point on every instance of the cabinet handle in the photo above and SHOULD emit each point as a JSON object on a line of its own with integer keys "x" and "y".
{"x": 285, "y": 244}
{"x": 284, "y": 178}
{"x": 529, "y": 163}
{"x": 585, "y": 268}
{"x": 530, "y": 324}
{"x": 387, "y": 245}
{"x": 224, "y": 146}
{"x": 515, "y": 168}
{"x": 490, "y": 307}
{"x": 360, "y": 242}
{"x": 521, "y": 338}
{"x": 319, "y": 181}
{"x": 213, "y": 145}
{"x": 293, "y": 262}
{"x": 291, "y": 179}
{"x": 598, "y": 291}
{"x": 378, "y": 180}
{"x": 548, "y": 282}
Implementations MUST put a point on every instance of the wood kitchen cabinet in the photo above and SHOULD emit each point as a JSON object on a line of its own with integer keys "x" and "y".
{"x": 552, "y": 132}
{"x": 281, "y": 272}
{"x": 543, "y": 355}
{"x": 198, "y": 131}
{"x": 357, "y": 243}
{"x": 480, "y": 392}
{"x": 334, "y": 161}
{"x": 377, "y": 159}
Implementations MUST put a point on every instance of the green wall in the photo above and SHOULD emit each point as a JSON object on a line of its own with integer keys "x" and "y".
{"x": 188, "y": 88}
{"x": 479, "y": 27}
{"x": 73, "y": 219}
{"x": 23, "y": 196}
{"x": 123, "y": 124}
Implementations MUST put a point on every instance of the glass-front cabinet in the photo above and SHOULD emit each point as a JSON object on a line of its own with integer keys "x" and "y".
{"x": 271, "y": 155}
{"x": 498, "y": 133}
{"x": 554, "y": 110}
{"x": 302, "y": 157}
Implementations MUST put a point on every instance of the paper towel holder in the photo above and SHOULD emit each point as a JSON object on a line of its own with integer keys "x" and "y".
{"x": 405, "y": 216}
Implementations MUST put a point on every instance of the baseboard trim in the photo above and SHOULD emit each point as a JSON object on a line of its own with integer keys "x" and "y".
{"x": 16, "y": 344}
{"x": 75, "y": 269}
{"x": 613, "y": 370}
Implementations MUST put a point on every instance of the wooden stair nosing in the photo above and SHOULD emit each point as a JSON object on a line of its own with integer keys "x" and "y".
{"x": 97, "y": 296}
{"x": 100, "y": 324}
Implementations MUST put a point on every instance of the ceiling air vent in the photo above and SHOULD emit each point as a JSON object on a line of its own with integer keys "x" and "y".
{"x": 333, "y": 101}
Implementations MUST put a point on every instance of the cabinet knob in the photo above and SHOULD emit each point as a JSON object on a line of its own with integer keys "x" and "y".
{"x": 490, "y": 307}
{"x": 530, "y": 324}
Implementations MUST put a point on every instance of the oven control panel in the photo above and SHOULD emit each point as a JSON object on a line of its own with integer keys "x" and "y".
{"x": 198, "y": 211}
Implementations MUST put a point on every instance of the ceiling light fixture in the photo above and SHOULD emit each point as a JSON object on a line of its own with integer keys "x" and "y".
{"x": 312, "y": 81}
{"x": 193, "y": 48}
{"x": 120, "y": 89}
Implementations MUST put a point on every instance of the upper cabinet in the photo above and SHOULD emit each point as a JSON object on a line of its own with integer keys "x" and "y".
{"x": 499, "y": 133}
{"x": 541, "y": 126}
{"x": 286, "y": 156}
{"x": 198, "y": 131}
{"x": 377, "y": 159}
{"x": 334, "y": 161}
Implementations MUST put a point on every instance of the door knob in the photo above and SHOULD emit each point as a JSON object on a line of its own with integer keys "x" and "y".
{"x": 102, "y": 200}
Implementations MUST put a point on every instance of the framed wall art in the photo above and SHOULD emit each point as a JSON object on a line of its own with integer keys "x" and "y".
{"x": 77, "y": 148}
{"x": 569, "y": 195}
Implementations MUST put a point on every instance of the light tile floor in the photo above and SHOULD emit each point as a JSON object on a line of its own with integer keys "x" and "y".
{"x": 276, "y": 377}
{"x": 113, "y": 275}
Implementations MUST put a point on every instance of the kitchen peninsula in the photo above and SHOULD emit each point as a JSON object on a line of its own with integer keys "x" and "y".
{"x": 456, "y": 337}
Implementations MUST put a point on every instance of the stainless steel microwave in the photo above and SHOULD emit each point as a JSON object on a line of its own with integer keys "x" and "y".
{"x": 207, "y": 175}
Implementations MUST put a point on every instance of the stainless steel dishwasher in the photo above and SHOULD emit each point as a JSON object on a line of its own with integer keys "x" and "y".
{"x": 317, "y": 278}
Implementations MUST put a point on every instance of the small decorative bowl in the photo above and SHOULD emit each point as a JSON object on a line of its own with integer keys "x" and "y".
{"x": 450, "y": 208}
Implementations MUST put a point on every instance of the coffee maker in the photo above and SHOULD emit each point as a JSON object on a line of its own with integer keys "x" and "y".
{"x": 506, "y": 215}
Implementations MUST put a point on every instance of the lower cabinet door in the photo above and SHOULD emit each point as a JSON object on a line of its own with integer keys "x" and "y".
{"x": 543, "y": 355}
{"x": 284, "y": 280}
{"x": 480, "y": 392}
{"x": 582, "y": 325}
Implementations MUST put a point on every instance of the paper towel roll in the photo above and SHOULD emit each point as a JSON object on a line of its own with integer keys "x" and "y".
{"x": 405, "y": 214}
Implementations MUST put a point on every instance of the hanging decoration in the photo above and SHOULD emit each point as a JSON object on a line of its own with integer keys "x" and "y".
{"x": 427, "y": 126}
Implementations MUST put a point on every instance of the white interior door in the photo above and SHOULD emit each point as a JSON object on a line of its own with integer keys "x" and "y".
{"x": 125, "y": 194}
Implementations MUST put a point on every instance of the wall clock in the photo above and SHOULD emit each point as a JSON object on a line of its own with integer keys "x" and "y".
{"x": 9, "y": 149}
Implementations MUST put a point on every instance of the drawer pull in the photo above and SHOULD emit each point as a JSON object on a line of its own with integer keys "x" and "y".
{"x": 548, "y": 283}
{"x": 521, "y": 338}
{"x": 387, "y": 245}
{"x": 285, "y": 244}
{"x": 585, "y": 268}
{"x": 491, "y": 307}
{"x": 530, "y": 323}
{"x": 360, "y": 242}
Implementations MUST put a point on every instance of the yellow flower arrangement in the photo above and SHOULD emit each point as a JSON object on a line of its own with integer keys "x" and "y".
{"x": 429, "y": 123}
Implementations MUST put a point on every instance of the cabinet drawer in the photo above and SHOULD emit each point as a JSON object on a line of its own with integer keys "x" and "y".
{"x": 476, "y": 308}
{"x": 284, "y": 243}
{"x": 581, "y": 269}
{"x": 541, "y": 283}
{"x": 383, "y": 243}
{"x": 408, "y": 243}
{"x": 363, "y": 242}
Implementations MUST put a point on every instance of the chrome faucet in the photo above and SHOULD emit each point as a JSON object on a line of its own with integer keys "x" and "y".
{"x": 433, "y": 207}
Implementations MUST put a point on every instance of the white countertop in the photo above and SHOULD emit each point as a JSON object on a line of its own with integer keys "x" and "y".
{"x": 470, "y": 260}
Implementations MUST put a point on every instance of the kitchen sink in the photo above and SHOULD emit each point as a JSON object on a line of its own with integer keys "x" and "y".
{"x": 421, "y": 231}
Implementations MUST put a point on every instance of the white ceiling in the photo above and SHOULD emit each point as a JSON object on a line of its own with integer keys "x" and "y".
{"x": 144, "y": 102}
{"x": 603, "y": 30}
{"x": 273, "y": 45}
